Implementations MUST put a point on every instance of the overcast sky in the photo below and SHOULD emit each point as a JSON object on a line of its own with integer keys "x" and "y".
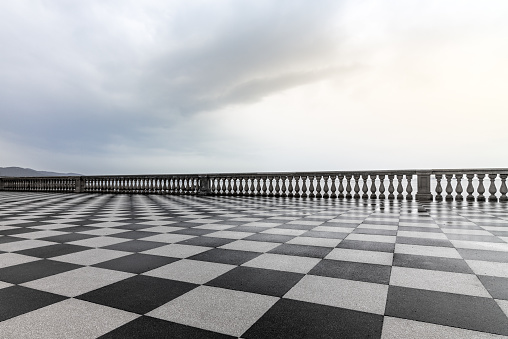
{"x": 126, "y": 87}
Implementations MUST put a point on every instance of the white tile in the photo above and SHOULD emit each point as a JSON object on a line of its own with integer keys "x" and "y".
{"x": 369, "y": 257}
{"x": 262, "y": 224}
{"x": 99, "y": 241}
{"x": 71, "y": 318}
{"x": 431, "y": 251}
{"x": 75, "y": 282}
{"x": 217, "y": 227}
{"x": 251, "y": 246}
{"x": 350, "y": 294}
{"x": 396, "y": 328}
{"x": 4, "y": 284}
{"x": 104, "y": 231}
{"x": 450, "y": 282}
{"x": 478, "y": 245}
{"x": 192, "y": 271}
{"x": 177, "y": 250}
{"x": 163, "y": 229}
{"x": 418, "y": 224}
{"x": 503, "y": 304}
{"x": 422, "y": 235}
{"x": 370, "y": 237}
{"x": 284, "y": 231}
{"x": 305, "y": 222}
{"x": 216, "y": 309}
{"x": 168, "y": 237}
{"x": 229, "y": 234}
{"x": 24, "y": 245}
{"x": 464, "y": 231}
{"x": 11, "y": 259}
{"x": 311, "y": 241}
{"x": 378, "y": 227}
{"x": 157, "y": 222}
{"x": 282, "y": 262}
{"x": 494, "y": 269}
{"x": 91, "y": 257}
{"x": 109, "y": 224}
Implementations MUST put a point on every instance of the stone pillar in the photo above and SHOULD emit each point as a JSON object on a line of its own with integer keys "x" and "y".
{"x": 423, "y": 182}
{"x": 80, "y": 185}
{"x": 204, "y": 185}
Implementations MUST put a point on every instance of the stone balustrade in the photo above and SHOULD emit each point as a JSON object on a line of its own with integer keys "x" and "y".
{"x": 440, "y": 185}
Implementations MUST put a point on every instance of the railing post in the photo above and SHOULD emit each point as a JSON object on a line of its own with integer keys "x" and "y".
{"x": 80, "y": 185}
{"x": 204, "y": 185}
{"x": 2, "y": 186}
{"x": 423, "y": 190}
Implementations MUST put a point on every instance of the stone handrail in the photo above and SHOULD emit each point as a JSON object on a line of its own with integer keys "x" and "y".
{"x": 395, "y": 184}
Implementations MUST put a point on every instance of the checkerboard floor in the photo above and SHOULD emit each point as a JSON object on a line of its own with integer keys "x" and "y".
{"x": 148, "y": 266}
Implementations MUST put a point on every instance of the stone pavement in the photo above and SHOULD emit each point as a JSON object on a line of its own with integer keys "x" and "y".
{"x": 151, "y": 266}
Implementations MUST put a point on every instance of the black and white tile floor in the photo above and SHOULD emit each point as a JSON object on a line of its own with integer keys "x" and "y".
{"x": 117, "y": 266}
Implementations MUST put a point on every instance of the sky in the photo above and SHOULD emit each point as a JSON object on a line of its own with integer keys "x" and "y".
{"x": 148, "y": 87}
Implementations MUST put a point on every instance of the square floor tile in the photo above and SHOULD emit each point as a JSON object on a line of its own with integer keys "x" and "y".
{"x": 431, "y": 263}
{"x": 98, "y": 241}
{"x": 52, "y": 250}
{"x": 216, "y": 309}
{"x": 91, "y": 257}
{"x": 379, "y": 274}
{"x": 450, "y": 282}
{"x": 177, "y": 250}
{"x": 148, "y": 327}
{"x": 134, "y": 246}
{"x": 494, "y": 269}
{"x": 78, "y": 281}
{"x": 229, "y": 234}
{"x": 66, "y": 238}
{"x": 22, "y": 300}
{"x": 193, "y": 271}
{"x": 496, "y": 286}
{"x": 11, "y": 259}
{"x": 367, "y": 246}
{"x": 410, "y": 329}
{"x": 369, "y": 257}
{"x": 301, "y": 250}
{"x": 353, "y": 295}
{"x": 231, "y": 257}
{"x": 136, "y": 263}
{"x": 70, "y": 318}
{"x": 297, "y": 319}
{"x": 23, "y": 245}
{"x": 270, "y": 237}
{"x": 138, "y": 294}
{"x": 310, "y": 241}
{"x": 282, "y": 262}
{"x": 168, "y": 238}
{"x": 257, "y": 280}
{"x": 368, "y": 237}
{"x": 449, "y": 309}
{"x": 33, "y": 270}
{"x": 432, "y": 251}
{"x": 252, "y": 246}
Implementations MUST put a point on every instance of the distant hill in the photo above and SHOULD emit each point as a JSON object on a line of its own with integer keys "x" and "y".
{"x": 28, "y": 172}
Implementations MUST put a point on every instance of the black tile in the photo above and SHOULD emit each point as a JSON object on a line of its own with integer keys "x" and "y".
{"x": 374, "y": 231}
{"x": 34, "y": 270}
{"x": 257, "y": 280}
{"x": 379, "y": 274}
{"x": 78, "y": 229}
{"x": 136, "y": 263}
{"x": 139, "y": 294}
{"x": 133, "y": 235}
{"x": 17, "y": 300}
{"x": 53, "y": 250}
{"x": 472, "y": 254}
{"x": 148, "y": 327}
{"x": 298, "y": 319}
{"x": 193, "y": 231}
{"x": 250, "y": 229}
{"x": 135, "y": 246}
{"x": 17, "y": 230}
{"x": 497, "y": 286}
{"x": 222, "y": 256}
{"x": 269, "y": 237}
{"x": 375, "y": 221}
{"x": 134, "y": 227}
{"x": 7, "y": 239}
{"x": 327, "y": 235}
{"x": 423, "y": 241}
{"x": 420, "y": 229}
{"x": 206, "y": 241}
{"x": 455, "y": 310}
{"x": 301, "y": 250}
{"x": 68, "y": 237}
{"x": 431, "y": 263}
{"x": 367, "y": 246}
